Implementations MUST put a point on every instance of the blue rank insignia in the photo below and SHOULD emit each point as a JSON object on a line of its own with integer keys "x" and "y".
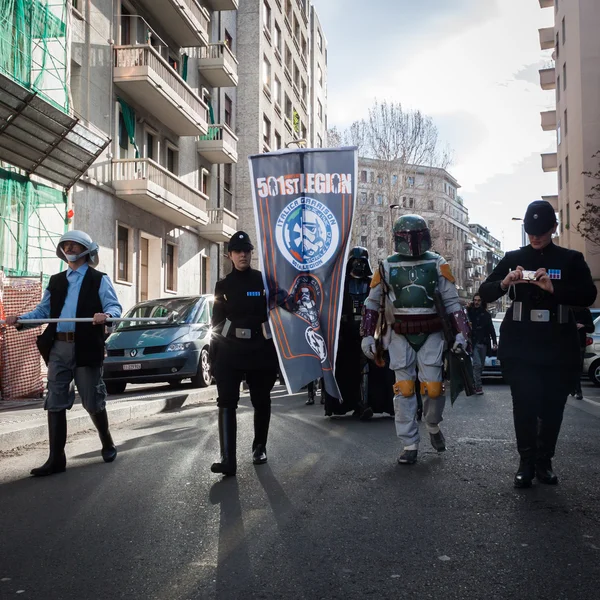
{"x": 253, "y": 293}
{"x": 554, "y": 273}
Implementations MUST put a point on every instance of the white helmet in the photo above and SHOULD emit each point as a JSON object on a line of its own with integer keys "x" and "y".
{"x": 82, "y": 238}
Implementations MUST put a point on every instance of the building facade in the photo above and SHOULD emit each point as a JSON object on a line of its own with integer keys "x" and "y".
{"x": 573, "y": 75}
{"x": 483, "y": 253}
{"x": 387, "y": 191}
{"x": 282, "y": 52}
{"x": 157, "y": 78}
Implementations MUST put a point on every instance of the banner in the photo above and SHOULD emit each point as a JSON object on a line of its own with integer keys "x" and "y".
{"x": 303, "y": 205}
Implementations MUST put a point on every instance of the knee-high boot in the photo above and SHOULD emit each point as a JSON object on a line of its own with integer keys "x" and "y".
{"x": 262, "y": 418}
{"x": 109, "y": 451}
{"x": 57, "y": 434}
{"x": 227, "y": 441}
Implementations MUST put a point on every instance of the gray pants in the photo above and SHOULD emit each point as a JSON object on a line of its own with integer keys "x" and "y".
{"x": 64, "y": 375}
{"x": 479, "y": 354}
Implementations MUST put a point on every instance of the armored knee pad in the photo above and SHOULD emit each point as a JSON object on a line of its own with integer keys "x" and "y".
{"x": 433, "y": 389}
{"x": 404, "y": 388}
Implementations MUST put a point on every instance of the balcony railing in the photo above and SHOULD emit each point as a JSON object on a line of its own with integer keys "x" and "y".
{"x": 223, "y": 4}
{"x": 549, "y": 162}
{"x": 547, "y": 40}
{"x": 548, "y": 78}
{"x": 218, "y": 65}
{"x": 219, "y": 145}
{"x": 151, "y": 81}
{"x": 224, "y": 216}
{"x": 221, "y": 226}
{"x": 158, "y": 191}
{"x": 548, "y": 120}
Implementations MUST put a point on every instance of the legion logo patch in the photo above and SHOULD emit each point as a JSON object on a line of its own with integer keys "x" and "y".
{"x": 317, "y": 343}
{"x": 306, "y": 298}
{"x": 307, "y": 234}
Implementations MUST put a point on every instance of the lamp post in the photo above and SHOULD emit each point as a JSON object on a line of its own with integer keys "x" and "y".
{"x": 301, "y": 143}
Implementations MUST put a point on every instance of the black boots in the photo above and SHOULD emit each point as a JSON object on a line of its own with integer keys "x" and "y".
{"x": 57, "y": 433}
{"x": 544, "y": 472}
{"x": 262, "y": 418}
{"x": 109, "y": 451}
{"x": 525, "y": 474}
{"x": 227, "y": 440}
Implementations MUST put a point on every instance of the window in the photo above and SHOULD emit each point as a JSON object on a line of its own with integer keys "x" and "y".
{"x": 266, "y": 131}
{"x": 171, "y": 267}
{"x": 411, "y": 203}
{"x": 394, "y": 179}
{"x": 568, "y": 223}
{"x": 151, "y": 146}
{"x": 558, "y": 134}
{"x": 123, "y": 137}
{"x": 363, "y": 220}
{"x": 430, "y": 224}
{"x": 379, "y": 179}
{"x": 277, "y": 90}
{"x": 123, "y": 250}
{"x": 267, "y": 17}
{"x": 172, "y": 160}
{"x": 288, "y": 108}
{"x": 560, "y": 177}
{"x": 380, "y": 242}
{"x": 319, "y": 141}
{"x": 379, "y": 199}
{"x": 228, "y": 40}
{"x": 227, "y": 194}
{"x": 204, "y": 181}
{"x": 125, "y": 27}
{"x": 205, "y": 281}
{"x": 363, "y": 240}
{"x": 266, "y": 73}
{"x": 319, "y": 110}
{"x": 557, "y": 46}
{"x": 430, "y": 205}
{"x": 320, "y": 75}
{"x": 567, "y": 169}
{"x": 277, "y": 140}
{"x": 278, "y": 41}
{"x": 363, "y": 197}
{"x": 564, "y": 77}
{"x": 380, "y": 221}
{"x": 561, "y": 220}
{"x": 319, "y": 41}
{"x": 228, "y": 110}
{"x": 558, "y": 89}
{"x": 565, "y": 122}
{"x": 411, "y": 182}
{"x": 564, "y": 31}
{"x": 404, "y": 201}
{"x": 363, "y": 177}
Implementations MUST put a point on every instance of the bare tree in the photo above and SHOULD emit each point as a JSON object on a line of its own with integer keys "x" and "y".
{"x": 589, "y": 223}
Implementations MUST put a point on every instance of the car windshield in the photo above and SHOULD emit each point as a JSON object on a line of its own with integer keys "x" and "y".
{"x": 178, "y": 311}
{"x": 497, "y": 323}
{"x": 597, "y": 325}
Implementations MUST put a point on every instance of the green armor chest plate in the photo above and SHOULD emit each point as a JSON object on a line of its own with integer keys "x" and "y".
{"x": 413, "y": 284}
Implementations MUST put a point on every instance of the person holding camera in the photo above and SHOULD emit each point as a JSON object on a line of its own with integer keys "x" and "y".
{"x": 539, "y": 343}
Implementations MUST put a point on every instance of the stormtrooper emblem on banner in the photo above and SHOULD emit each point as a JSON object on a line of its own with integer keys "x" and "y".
{"x": 306, "y": 298}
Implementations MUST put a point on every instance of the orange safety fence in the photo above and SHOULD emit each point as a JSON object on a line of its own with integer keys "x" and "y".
{"x": 21, "y": 373}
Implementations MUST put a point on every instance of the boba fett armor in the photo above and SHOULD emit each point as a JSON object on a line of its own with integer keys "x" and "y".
{"x": 403, "y": 293}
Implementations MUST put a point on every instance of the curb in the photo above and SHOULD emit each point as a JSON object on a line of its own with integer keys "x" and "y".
{"x": 120, "y": 410}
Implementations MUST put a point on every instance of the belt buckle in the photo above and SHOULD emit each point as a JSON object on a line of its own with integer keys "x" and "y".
{"x": 540, "y": 316}
{"x": 243, "y": 334}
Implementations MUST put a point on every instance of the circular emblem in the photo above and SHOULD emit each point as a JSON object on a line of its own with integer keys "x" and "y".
{"x": 317, "y": 343}
{"x": 306, "y": 298}
{"x": 535, "y": 216}
{"x": 133, "y": 353}
{"x": 307, "y": 234}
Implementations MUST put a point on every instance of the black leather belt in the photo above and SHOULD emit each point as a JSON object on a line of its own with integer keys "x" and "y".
{"x": 65, "y": 336}
{"x": 540, "y": 315}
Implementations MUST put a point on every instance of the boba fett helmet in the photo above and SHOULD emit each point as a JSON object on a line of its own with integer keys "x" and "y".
{"x": 411, "y": 236}
{"x": 358, "y": 264}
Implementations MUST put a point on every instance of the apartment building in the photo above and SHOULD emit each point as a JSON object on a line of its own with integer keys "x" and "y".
{"x": 386, "y": 191}
{"x": 483, "y": 253}
{"x": 155, "y": 80}
{"x": 573, "y": 76}
{"x": 281, "y": 95}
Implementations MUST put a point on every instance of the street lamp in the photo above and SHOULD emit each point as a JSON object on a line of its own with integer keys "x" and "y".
{"x": 301, "y": 143}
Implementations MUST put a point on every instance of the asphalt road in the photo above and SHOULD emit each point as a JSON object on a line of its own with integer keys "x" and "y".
{"x": 330, "y": 516}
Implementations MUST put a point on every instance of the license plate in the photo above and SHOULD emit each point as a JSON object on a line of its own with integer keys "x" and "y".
{"x": 132, "y": 367}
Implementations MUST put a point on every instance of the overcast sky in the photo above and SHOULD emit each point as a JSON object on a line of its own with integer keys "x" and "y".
{"x": 472, "y": 65}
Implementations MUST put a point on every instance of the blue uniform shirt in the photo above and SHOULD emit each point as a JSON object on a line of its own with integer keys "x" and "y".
{"x": 108, "y": 298}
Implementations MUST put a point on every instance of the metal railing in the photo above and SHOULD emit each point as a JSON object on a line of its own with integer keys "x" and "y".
{"x": 216, "y": 51}
{"x": 221, "y": 133}
{"x": 147, "y": 56}
{"x": 136, "y": 169}
{"x": 199, "y": 12}
{"x": 224, "y": 217}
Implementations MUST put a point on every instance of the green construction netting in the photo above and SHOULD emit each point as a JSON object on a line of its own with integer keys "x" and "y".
{"x": 33, "y": 47}
{"x": 32, "y": 219}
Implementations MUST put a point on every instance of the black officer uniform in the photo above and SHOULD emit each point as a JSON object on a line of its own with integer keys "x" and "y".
{"x": 539, "y": 344}
{"x": 365, "y": 388}
{"x": 240, "y": 350}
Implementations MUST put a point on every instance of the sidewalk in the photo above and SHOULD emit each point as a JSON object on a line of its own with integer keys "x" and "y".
{"x": 25, "y": 422}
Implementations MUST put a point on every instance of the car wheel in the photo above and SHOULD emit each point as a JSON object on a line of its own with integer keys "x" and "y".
{"x": 202, "y": 377}
{"x": 594, "y": 373}
{"x": 115, "y": 387}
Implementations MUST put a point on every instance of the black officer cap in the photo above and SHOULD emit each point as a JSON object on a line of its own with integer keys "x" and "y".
{"x": 240, "y": 241}
{"x": 539, "y": 218}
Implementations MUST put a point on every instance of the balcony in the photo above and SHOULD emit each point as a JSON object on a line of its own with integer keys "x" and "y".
{"x": 218, "y": 65}
{"x": 219, "y": 145}
{"x": 222, "y": 225}
{"x": 149, "y": 80}
{"x": 547, "y": 40}
{"x": 553, "y": 200}
{"x": 186, "y": 22}
{"x": 223, "y": 4}
{"x": 546, "y": 3}
{"x": 549, "y": 162}
{"x": 146, "y": 184}
{"x": 548, "y": 78}
{"x": 549, "y": 120}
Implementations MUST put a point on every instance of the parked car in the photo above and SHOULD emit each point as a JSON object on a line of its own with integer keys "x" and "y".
{"x": 591, "y": 358}
{"x": 491, "y": 367}
{"x": 156, "y": 352}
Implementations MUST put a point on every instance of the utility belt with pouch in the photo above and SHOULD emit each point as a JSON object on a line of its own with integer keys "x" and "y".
{"x": 536, "y": 315}
{"x": 246, "y": 333}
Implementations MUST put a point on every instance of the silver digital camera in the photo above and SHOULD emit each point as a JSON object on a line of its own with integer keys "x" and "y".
{"x": 529, "y": 275}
